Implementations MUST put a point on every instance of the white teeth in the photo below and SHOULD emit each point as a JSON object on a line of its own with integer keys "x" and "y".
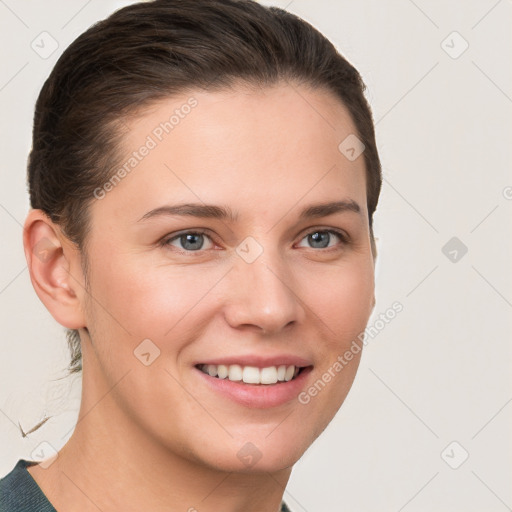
{"x": 289, "y": 373}
{"x": 268, "y": 375}
{"x": 235, "y": 372}
{"x": 222, "y": 371}
{"x": 251, "y": 374}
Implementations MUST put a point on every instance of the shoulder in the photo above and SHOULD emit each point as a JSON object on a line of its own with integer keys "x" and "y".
{"x": 19, "y": 492}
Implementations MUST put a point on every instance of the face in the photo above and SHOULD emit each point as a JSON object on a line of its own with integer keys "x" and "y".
{"x": 256, "y": 279}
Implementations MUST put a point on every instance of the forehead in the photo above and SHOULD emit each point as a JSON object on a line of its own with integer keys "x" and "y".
{"x": 246, "y": 146}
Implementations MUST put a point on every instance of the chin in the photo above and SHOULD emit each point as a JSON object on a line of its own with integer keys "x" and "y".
{"x": 255, "y": 454}
{"x": 254, "y": 461}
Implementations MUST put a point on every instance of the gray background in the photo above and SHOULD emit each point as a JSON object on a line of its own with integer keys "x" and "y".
{"x": 440, "y": 371}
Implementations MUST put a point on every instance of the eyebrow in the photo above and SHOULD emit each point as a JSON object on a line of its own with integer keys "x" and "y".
{"x": 225, "y": 213}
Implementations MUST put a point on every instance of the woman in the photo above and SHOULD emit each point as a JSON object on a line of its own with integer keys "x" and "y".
{"x": 203, "y": 179}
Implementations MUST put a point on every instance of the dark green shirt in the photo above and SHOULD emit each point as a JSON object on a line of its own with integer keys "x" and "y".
{"x": 19, "y": 492}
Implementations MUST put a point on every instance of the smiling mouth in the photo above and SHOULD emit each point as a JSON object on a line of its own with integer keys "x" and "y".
{"x": 268, "y": 375}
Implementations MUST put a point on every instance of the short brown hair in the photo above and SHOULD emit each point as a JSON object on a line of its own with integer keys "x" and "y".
{"x": 152, "y": 50}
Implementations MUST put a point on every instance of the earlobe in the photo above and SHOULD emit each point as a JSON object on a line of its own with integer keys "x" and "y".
{"x": 52, "y": 261}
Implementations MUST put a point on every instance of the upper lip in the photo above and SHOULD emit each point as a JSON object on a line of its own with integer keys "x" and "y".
{"x": 259, "y": 361}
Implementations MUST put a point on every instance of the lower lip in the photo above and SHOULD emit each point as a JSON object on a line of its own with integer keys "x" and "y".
{"x": 258, "y": 396}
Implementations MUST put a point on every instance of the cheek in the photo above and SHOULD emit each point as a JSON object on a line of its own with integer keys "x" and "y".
{"x": 149, "y": 300}
{"x": 341, "y": 297}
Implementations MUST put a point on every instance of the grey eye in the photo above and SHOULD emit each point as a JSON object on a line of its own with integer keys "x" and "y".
{"x": 321, "y": 239}
{"x": 190, "y": 241}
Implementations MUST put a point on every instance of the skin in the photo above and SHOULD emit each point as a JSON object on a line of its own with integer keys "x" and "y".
{"x": 156, "y": 437}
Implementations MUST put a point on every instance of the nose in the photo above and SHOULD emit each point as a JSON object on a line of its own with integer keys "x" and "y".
{"x": 262, "y": 295}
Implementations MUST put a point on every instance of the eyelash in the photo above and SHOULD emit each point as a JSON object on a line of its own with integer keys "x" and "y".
{"x": 165, "y": 242}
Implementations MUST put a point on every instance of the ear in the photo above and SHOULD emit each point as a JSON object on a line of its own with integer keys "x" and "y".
{"x": 373, "y": 244}
{"x": 55, "y": 270}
